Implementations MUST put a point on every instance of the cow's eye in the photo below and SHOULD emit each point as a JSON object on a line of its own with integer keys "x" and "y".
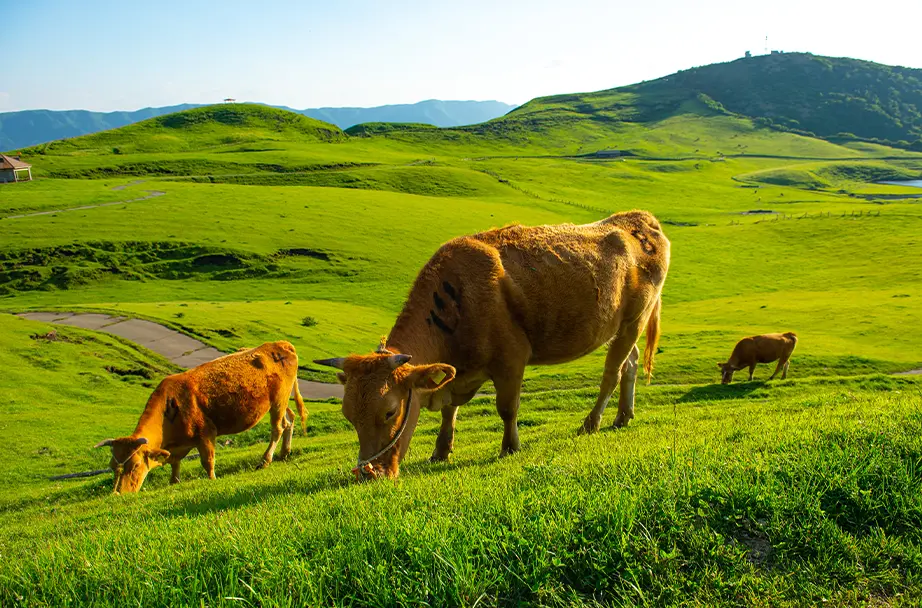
{"x": 390, "y": 414}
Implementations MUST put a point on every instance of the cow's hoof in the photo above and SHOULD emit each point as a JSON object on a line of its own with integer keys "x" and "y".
{"x": 590, "y": 425}
{"x": 283, "y": 456}
{"x": 263, "y": 465}
{"x": 620, "y": 422}
{"x": 438, "y": 458}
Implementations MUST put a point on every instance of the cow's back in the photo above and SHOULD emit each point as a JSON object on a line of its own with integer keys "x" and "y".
{"x": 575, "y": 284}
{"x": 235, "y": 391}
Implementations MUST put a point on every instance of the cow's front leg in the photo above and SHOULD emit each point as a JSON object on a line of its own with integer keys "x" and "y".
{"x": 176, "y": 457}
{"x": 446, "y": 439}
{"x": 752, "y": 370}
{"x": 508, "y": 390}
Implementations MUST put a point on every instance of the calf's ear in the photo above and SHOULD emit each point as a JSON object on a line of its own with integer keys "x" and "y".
{"x": 158, "y": 455}
{"x": 431, "y": 377}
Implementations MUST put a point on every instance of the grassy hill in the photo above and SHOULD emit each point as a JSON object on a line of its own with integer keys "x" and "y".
{"x": 198, "y": 129}
{"x": 240, "y": 224}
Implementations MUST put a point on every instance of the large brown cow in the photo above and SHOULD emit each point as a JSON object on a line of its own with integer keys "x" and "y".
{"x": 760, "y": 349}
{"x": 223, "y": 397}
{"x": 485, "y": 306}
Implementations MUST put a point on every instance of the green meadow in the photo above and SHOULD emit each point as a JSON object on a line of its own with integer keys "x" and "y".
{"x": 268, "y": 225}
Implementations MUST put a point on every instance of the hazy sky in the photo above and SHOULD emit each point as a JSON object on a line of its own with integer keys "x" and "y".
{"x": 124, "y": 55}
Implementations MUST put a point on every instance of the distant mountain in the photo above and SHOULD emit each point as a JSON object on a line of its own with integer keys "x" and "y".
{"x": 30, "y": 127}
{"x": 431, "y": 112}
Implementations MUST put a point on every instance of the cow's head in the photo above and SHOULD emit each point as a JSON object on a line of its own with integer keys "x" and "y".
{"x": 132, "y": 459}
{"x": 726, "y": 372}
{"x": 383, "y": 395}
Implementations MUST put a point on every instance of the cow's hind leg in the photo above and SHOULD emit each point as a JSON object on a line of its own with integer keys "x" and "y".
{"x": 784, "y": 370}
{"x": 781, "y": 363}
{"x": 616, "y": 359}
{"x": 446, "y": 439}
{"x": 627, "y": 384}
{"x": 752, "y": 370}
{"x": 289, "y": 423}
{"x": 277, "y": 422}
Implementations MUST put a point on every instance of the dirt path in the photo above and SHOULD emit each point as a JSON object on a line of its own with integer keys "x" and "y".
{"x": 912, "y": 372}
{"x": 150, "y": 194}
{"x": 177, "y": 347}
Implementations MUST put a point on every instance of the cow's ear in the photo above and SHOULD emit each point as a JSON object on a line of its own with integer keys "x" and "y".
{"x": 341, "y": 377}
{"x": 158, "y": 455}
{"x": 720, "y": 366}
{"x": 431, "y": 377}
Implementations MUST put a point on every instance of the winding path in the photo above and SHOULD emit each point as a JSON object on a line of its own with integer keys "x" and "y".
{"x": 179, "y": 348}
{"x": 150, "y": 194}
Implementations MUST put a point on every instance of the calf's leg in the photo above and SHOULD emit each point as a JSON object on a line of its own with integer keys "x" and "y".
{"x": 206, "y": 453}
{"x": 752, "y": 369}
{"x": 289, "y": 423}
{"x": 277, "y": 424}
{"x": 778, "y": 368}
{"x": 176, "y": 457}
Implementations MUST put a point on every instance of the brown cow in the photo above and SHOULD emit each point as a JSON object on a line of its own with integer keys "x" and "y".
{"x": 485, "y": 306}
{"x": 760, "y": 349}
{"x": 222, "y": 397}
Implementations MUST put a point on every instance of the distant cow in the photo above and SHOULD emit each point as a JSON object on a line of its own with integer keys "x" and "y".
{"x": 486, "y": 306}
{"x": 189, "y": 410}
{"x": 760, "y": 349}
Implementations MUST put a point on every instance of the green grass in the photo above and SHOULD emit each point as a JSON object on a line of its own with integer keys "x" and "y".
{"x": 789, "y": 493}
{"x": 785, "y": 493}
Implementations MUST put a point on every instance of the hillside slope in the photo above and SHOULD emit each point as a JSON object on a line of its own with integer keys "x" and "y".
{"x": 817, "y": 95}
{"x": 31, "y": 127}
{"x": 198, "y": 129}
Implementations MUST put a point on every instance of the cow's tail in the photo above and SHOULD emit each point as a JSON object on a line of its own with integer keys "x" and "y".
{"x": 653, "y": 333}
{"x": 300, "y": 401}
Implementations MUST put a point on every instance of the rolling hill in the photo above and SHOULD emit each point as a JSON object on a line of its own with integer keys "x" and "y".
{"x": 31, "y": 127}
{"x": 242, "y": 224}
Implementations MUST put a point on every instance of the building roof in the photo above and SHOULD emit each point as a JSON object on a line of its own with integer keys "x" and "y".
{"x": 8, "y": 162}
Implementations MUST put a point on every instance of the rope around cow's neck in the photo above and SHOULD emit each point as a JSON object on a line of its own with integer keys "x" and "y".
{"x": 120, "y": 466}
{"x": 406, "y": 418}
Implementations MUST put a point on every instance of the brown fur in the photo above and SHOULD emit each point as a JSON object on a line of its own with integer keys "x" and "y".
{"x": 223, "y": 397}
{"x": 485, "y": 306}
{"x": 760, "y": 349}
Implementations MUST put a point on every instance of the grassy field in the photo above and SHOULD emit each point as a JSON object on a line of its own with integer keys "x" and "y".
{"x": 269, "y": 227}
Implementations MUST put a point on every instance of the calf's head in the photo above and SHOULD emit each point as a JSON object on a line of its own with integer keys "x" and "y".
{"x": 132, "y": 459}
{"x": 382, "y": 398}
{"x": 726, "y": 372}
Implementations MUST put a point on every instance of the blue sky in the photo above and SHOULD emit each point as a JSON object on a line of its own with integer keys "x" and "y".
{"x": 103, "y": 55}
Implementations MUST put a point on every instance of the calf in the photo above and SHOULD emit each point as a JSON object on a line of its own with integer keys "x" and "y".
{"x": 222, "y": 397}
{"x": 760, "y": 349}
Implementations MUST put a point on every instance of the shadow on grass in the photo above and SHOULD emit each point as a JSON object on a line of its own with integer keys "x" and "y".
{"x": 721, "y": 392}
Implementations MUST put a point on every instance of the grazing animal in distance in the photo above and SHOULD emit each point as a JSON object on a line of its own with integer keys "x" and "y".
{"x": 486, "y": 306}
{"x": 191, "y": 409}
{"x": 760, "y": 349}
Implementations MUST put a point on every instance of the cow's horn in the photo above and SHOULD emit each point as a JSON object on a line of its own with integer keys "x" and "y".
{"x": 104, "y": 443}
{"x": 398, "y": 360}
{"x": 338, "y": 362}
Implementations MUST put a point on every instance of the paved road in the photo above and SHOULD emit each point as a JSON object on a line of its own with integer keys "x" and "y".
{"x": 177, "y": 347}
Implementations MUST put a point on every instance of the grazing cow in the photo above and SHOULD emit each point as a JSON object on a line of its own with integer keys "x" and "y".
{"x": 222, "y": 397}
{"x": 760, "y": 349}
{"x": 485, "y": 306}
